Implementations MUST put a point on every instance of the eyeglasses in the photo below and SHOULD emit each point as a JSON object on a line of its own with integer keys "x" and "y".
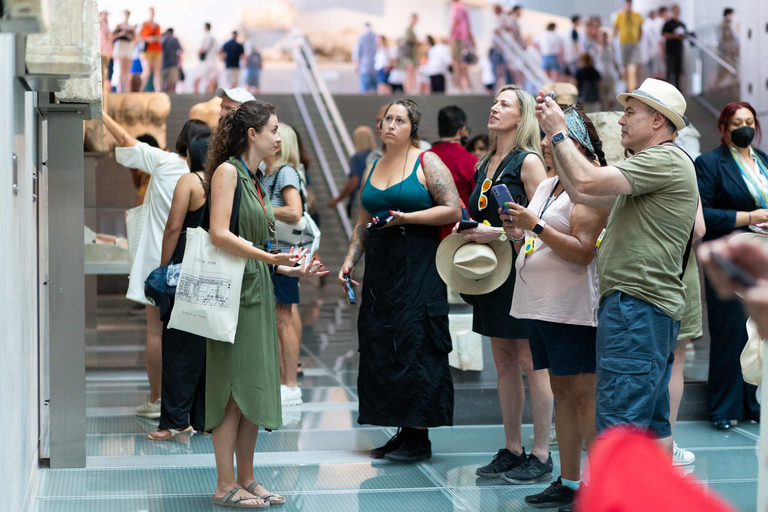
{"x": 482, "y": 201}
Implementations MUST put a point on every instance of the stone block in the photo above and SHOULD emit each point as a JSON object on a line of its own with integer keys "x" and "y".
{"x": 207, "y": 111}
{"x": 138, "y": 112}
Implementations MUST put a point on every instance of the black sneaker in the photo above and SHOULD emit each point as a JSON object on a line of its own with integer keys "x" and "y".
{"x": 566, "y": 508}
{"x": 416, "y": 448}
{"x": 504, "y": 461}
{"x": 553, "y": 496}
{"x": 393, "y": 444}
{"x": 532, "y": 470}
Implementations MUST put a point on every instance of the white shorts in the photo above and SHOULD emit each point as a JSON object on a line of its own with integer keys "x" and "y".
{"x": 208, "y": 70}
{"x": 122, "y": 49}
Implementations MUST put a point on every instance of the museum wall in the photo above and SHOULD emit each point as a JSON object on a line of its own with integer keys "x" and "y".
{"x": 18, "y": 280}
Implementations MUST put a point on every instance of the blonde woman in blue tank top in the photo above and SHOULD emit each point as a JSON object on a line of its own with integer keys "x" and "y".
{"x": 404, "y": 379}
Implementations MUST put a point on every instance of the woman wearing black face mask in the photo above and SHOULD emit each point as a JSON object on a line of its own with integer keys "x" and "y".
{"x": 733, "y": 184}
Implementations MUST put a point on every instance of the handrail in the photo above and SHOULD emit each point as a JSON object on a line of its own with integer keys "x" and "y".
{"x": 511, "y": 49}
{"x": 306, "y": 56}
{"x": 327, "y": 96}
{"x": 714, "y": 56}
{"x": 324, "y": 165}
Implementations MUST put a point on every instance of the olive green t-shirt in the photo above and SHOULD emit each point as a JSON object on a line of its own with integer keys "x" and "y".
{"x": 648, "y": 231}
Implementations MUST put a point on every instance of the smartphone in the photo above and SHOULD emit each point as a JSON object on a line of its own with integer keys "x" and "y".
{"x": 502, "y": 195}
{"x": 733, "y": 271}
{"x": 467, "y": 224}
{"x": 350, "y": 290}
{"x": 551, "y": 94}
{"x": 381, "y": 223}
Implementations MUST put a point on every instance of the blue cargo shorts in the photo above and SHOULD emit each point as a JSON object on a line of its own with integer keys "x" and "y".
{"x": 635, "y": 350}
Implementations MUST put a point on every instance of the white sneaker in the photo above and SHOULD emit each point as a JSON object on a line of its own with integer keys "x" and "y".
{"x": 552, "y": 435}
{"x": 149, "y": 409}
{"x": 290, "y": 395}
{"x": 681, "y": 456}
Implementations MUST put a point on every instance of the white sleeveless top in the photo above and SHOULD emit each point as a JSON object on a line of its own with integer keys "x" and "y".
{"x": 548, "y": 287}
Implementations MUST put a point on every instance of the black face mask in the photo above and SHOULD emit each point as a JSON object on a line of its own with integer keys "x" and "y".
{"x": 742, "y": 137}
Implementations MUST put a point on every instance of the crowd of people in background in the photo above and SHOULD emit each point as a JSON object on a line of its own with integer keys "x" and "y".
{"x": 596, "y": 54}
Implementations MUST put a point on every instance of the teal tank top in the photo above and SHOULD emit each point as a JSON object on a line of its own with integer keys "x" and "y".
{"x": 407, "y": 196}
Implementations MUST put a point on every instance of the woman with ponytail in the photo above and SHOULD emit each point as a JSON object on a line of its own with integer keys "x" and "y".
{"x": 556, "y": 291}
{"x": 243, "y": 378}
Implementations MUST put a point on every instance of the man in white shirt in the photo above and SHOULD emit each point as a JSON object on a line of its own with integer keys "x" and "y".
{"x": 650, "y": 45}
{"x": 550, "y": 44}
{"x": 207, "y": 70}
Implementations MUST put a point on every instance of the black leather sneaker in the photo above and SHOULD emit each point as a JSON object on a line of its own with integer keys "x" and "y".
{"x": 393, "y": 444}
{"x": 504, "y": 461}
{"x": 555, "y": 495}
{"x": 532, "y": 470}
{"x": 416, "y": 448}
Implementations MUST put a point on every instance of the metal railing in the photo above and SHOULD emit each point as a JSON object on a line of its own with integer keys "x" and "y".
{"x": 514, "y": 53}
{"x": 304, "y": 59}
{"x": 711, "y": 76}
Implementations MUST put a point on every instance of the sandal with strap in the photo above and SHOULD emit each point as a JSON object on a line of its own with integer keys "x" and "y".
{"x": 228, "y": 500}
{"x": 269, "y": 497}
{"x": 173, "y": 432}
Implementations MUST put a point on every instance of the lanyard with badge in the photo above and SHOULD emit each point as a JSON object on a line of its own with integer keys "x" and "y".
{"x": 270, "y": 224}
{"x": 531, "y": 241}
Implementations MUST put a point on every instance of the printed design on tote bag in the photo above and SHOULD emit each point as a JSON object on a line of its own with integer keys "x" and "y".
{"x": 206, "y": 289}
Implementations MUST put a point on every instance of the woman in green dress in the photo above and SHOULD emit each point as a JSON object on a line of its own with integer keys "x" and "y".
{"x": 243, "y": 378}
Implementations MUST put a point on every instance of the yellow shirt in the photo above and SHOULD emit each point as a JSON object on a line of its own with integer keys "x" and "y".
{"x": 629, "y": 27}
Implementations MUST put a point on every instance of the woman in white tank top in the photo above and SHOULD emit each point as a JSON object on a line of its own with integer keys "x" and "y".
{"x": 557, "y": 293}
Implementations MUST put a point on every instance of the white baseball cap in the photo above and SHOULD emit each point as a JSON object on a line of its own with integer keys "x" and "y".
{"x": 237, "y": 94}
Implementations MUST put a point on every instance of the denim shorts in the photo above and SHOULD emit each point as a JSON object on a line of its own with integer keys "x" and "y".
{"x": 635, "y": 350}
{"x": 550, "y": 63}
{"x": 286, "y": 289}
{"x": 563, "y": 348}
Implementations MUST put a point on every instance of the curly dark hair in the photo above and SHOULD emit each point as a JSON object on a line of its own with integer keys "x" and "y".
{"x": 231, "y": 136}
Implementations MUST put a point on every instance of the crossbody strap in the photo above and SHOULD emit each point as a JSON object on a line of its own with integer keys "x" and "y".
{"x": 689, "y": 244}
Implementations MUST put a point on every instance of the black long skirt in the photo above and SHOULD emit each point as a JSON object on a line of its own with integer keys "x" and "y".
{"x": 404, "y": 378}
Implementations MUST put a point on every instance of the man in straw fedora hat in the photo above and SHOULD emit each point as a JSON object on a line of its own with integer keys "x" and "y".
{"x": 643, "y": 253}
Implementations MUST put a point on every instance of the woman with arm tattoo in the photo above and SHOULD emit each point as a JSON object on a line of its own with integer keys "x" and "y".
{"x": 404, "y": 379}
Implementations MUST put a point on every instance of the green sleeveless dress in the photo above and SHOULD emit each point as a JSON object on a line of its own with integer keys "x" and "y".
{"x": 248, "y": 369}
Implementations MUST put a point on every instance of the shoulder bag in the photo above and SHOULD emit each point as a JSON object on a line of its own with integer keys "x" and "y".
{"x": 302, "y": 234}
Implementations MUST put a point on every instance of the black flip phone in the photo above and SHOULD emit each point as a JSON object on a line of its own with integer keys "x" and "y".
{"x": 350, "y": 290}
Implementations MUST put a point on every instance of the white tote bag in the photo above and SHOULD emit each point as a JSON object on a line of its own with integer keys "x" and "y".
{"x": 208, "y": 293}
{"x": 134, "y": 224}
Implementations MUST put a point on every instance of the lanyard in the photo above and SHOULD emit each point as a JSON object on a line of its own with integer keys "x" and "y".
{"x": 270, "y": 225}
{"x": 256, "y": 180}
{"x": 550, "y": 200}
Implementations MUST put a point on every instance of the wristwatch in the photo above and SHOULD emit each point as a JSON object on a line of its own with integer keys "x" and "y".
{"x": 539, "y": 227}
{"x": 503, "y": 236}
{"x": 558, "y": 138}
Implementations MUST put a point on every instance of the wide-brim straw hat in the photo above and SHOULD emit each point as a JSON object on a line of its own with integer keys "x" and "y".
{"x": 661, "y": 96}
{"x": 472, "y": 268}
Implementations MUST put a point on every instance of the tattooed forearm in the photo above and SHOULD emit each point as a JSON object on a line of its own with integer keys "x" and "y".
{"x": 357, "y": 244}
{"x": 440, "y": 181}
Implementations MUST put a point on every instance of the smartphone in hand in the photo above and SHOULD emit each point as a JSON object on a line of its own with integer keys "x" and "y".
{"x": 467, "y": 224}
{"x": 502, "y": 195}
{"x": 737, "y": 274}
{"x": 350, "y": 290}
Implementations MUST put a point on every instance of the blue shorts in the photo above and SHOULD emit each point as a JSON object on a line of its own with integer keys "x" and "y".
{"x": 550, "y": 63}
{"x": 635, "y": 350}
{"x": 565, "y": 349}
{"x": 382, "y": 76}
{"x": 286, "y": 289}
{"x": 368, "y": 82}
